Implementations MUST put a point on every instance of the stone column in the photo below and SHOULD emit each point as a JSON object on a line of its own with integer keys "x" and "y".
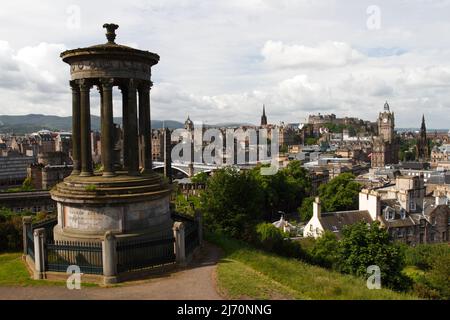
{"x": 26, "y": 225}
{"x": 125, "y": 125}
{"x": 86, "y": 149}
{"x": 107, "y": 127}
{"x": 133, "y": 145}
{"x": 180, "y": 251}
{"x": 76, "y": 129}
{"x": 109, "y": 254}
{"x": 145, "y": 128}
{"x": 39, "y": 253}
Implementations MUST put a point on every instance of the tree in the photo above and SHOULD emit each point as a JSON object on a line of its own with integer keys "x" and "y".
{"x": 270, "y": 237}
{"x": 364, "y": 245}
{"x": 232, "y": 202}
{"x": 305, "y": 211}
{"x": 438, "y": 278}
{"x": 311, "y": 141}
{"x": 284, "y": 190}
{"x": 201, "y": 178}
{"x": 340, "y": 194}
{"x": 325, "y": 250}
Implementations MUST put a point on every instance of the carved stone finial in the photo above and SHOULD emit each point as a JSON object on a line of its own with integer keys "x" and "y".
{"x": 111, "y": 31}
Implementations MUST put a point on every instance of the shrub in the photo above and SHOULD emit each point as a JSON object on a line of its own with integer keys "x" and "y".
{"x": 325, "y": 250}
{"x": 269, "y": 237}
{"x": 423, "y": 255}
{"x": 11, "y": 233}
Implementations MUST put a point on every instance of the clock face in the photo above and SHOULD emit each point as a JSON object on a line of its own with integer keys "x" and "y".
{"x": 385, "y": 120}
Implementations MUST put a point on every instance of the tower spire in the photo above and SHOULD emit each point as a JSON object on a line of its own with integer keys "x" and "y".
{"x": 264, "y": 117}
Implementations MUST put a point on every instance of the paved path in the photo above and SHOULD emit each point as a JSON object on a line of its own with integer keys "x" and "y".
{"x": 195, "y": 283}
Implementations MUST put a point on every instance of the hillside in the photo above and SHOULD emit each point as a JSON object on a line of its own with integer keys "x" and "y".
{"x": 245, "y": 272}
{"x": 35, "y": 122}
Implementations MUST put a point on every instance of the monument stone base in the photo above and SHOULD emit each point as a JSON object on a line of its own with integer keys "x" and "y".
{"x": 130, "y": 207}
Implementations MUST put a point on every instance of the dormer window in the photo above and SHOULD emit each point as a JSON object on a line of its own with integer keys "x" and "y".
{"x": 389, "y": 214}
{"x": 402, "y": 214}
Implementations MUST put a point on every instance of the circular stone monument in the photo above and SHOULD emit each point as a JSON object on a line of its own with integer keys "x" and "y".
{"x": 126, "y": 197}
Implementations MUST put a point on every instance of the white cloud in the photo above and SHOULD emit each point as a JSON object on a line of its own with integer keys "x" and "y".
{"x": 327, "y": 54}
{"x": 220, "y": 61}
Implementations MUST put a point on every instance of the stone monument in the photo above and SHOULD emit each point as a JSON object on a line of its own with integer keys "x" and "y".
{"x": 127, "y": 199}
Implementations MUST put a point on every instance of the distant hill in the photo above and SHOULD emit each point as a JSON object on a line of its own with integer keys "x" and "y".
{"x": 35, "y": 122}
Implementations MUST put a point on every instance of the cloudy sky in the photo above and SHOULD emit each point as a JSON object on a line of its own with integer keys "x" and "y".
{"x": 222, "y": 60}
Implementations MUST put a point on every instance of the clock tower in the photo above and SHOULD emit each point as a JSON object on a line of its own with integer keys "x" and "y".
{"x": 386, "y": 144}
{"x": 386, "y": 124}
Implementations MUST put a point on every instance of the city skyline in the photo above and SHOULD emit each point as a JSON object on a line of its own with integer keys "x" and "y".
{"x": 220, "y": 62}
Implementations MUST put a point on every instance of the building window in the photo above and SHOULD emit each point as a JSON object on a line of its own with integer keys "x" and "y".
{"x": 412, "y": 205}
{"x": 403, "y": 213}
{"x": 433, "y": 237}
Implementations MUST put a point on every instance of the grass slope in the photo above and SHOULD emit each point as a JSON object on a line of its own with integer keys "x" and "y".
{"x": 249, "y": 273}
{"x": 14, "y": 273}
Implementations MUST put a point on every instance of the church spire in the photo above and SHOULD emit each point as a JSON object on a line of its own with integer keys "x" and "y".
{"x": 423, "y": 127}
{"x": 264, "y": 117}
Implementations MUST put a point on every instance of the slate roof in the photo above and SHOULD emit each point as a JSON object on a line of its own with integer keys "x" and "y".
{"x": 336, "y": 221}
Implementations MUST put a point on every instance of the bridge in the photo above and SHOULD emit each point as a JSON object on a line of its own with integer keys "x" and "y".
{"x": 181, "y": 169}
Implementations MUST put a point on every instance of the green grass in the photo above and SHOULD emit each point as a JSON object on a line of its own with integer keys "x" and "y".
{"x": 245, "y": 272}
{"x": 13, "y": 272}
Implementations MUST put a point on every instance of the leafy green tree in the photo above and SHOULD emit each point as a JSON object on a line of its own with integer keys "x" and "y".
{"x": 201, "y": 177}
{"x": 438, "y": 278}
{"x": 311, "y": 141}
{"x": 363, "y": 245}
{"x": 232, "y": 202}
{"x": 341, "y": 193}
{"x": 325, "y": 250}
{"x": 284, "y": 190}
{"x": 305, "y": 211}
{"x": 270, "y": 237}
{"x": 27, "y": 184}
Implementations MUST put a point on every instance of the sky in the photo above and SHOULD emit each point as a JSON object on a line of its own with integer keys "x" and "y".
{"x": 222, "y": 60}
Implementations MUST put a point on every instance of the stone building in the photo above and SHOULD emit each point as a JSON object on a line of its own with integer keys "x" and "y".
{"x": 403, "y": 210}
{"x": 13, "y": 169}
{"x": 440, "y": 157}
{"x": 158, "y": 145}
{"x": 63, "y": 142}
{"x": 386, "y": 144}
{"x": 34, "y": 201}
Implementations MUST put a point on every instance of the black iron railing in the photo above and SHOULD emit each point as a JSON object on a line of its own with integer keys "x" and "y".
{"x": 30, "y": 240}
{"x": 62, "y": 254}
{"x": 48, "y": 225}
{"x": 142, "y": 254}
{"x": 191, "y": 240}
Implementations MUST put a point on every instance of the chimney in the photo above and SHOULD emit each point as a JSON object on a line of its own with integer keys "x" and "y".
{"x": 316, "y": 208}
{"x": 441, "y": 199}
